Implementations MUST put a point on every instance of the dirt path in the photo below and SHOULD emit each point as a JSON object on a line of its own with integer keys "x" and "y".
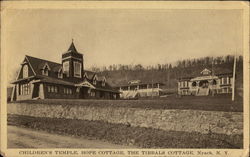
{"x": 28, "y": 138}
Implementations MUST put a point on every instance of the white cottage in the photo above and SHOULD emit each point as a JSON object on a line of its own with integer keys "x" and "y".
{"x": 206, "y": 84}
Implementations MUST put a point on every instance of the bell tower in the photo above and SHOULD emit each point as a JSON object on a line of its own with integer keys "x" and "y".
{"x": 72, "y": 62}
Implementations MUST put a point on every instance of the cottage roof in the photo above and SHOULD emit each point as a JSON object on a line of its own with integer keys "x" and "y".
{"x": 217, "y": 71}
{"x": 139, "y": 83}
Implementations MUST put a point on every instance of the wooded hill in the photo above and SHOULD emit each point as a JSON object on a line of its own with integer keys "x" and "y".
{"x": 169, "y": 74}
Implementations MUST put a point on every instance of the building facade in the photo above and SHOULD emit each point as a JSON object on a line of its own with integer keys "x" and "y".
{"x": 206, "y": 84}
{"x": 135, "y": 89}
{"x": 43, "y": 79}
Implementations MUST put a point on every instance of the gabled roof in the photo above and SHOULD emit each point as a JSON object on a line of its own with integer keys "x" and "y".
{"x": 38, "y": 64}
{"x": 89, "y": 74}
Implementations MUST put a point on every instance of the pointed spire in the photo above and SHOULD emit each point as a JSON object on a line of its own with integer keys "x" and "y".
{"x": 72, "y": 47}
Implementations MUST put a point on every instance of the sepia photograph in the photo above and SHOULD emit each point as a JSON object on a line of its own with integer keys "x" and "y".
{"x": 125, "y": 78}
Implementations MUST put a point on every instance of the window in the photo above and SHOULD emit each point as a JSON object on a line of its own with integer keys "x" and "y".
{"x": 49, "y": 89}
{"x": 67, "y": 91}
{"x": 60, "y": 74}
{"x": 92, "y": 93}
{"x": 25, "y": 71}
{"x": 52, "y": 89}
{"x": 214, "y": 82}
{"x": 66, "y": 68}
{"x": 46, "y": 71}
{"x": 94, "y": 81}
{"x": 224, "y": 90}
{"x": 228, "y": 80}
{"x": 24, "y": 89}
{"x": 184, "y": 84}
{"x": 224, "y": 80}
{"x": 77, "y": 69}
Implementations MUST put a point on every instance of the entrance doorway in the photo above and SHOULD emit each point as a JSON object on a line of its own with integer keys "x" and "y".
{"x": 84, "y": 92}
{"x": 203, "y": 84}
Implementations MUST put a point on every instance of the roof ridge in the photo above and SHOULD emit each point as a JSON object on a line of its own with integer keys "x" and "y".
{"x": 43, "y": 59}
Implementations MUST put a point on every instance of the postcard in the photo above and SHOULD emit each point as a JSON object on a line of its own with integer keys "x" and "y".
{"x": 124, "y": 78}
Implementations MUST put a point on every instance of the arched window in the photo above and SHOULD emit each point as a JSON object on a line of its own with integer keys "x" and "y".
{"x": 194, "y": 84}
{"x": 94, "y": 81}
{"x": 25, "y": 71}
{"x": 214, "y": 82}
{"x": 60, "y": 74}
{"x": 46, "y": 71}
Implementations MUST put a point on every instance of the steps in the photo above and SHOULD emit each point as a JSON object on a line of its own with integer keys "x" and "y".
{"x": 202, "y": 92}
{"x": 129, "y": 94}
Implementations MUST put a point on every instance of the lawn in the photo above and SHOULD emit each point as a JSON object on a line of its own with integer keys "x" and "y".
{"x": 216, "y": 103}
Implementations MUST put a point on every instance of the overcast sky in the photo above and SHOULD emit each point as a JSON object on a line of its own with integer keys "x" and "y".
{"x": 108, "y": 36}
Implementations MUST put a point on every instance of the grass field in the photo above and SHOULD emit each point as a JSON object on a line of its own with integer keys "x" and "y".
{"x": 216, "y": 103}
{"x": 127, "y": 135}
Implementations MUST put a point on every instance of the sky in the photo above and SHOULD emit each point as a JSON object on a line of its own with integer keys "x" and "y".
{"x": 116, "y": 36}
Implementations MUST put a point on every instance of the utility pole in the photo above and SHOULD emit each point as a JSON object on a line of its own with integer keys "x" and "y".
{"x": 212, "y": 75}
{"x": 233, "y": 83}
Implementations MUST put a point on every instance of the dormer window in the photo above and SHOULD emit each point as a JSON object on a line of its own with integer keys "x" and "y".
{"x": 46, "y": 70}
{"x": 205, "y": 72}
{"x": 95, "y": 79}
{"x": 77, "y": 69}
{"x": 25, "y": 71}
{"x": 85, "y": 75}
{"x": 60, "y": 74}
{"x": 103, "y": 82}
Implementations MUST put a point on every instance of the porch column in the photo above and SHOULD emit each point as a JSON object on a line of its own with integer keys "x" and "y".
{"x": 158, "y": 86}
{"x": 31, "y": 90}
{"x": 197, "y": 87}
{"x": 13, "y": 93}
{"x": 17, "y": 89}
{"x": 147, "y": 89}
{"x": 41, "y": 91}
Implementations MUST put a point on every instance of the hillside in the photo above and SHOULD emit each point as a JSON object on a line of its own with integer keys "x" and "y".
{"x": 169, "y": 75}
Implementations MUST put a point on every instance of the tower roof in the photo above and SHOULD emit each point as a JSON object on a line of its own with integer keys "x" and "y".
{"x": 72, "y": 47}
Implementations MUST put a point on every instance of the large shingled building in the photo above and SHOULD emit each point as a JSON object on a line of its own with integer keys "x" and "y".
{"x": 43, "y": 79}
